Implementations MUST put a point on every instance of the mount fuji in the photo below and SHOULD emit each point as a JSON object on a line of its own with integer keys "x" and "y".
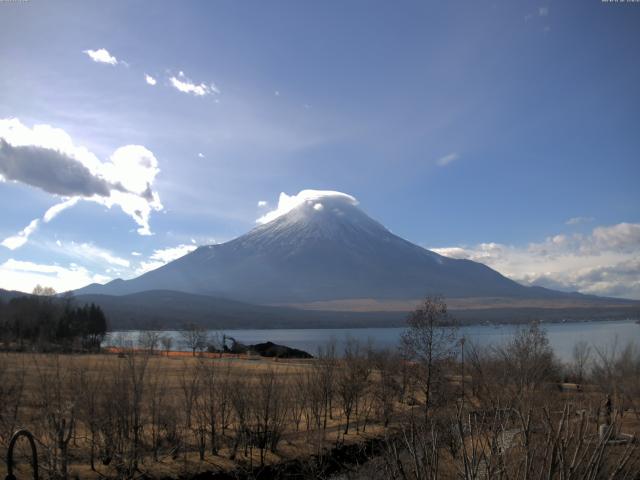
{"x": 319, "y": 246}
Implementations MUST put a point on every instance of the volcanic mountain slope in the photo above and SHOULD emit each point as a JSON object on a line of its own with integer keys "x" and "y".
{"x": 325, "y": 248}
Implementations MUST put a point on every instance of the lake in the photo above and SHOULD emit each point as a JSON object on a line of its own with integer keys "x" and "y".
{"x": 562, "y": 336}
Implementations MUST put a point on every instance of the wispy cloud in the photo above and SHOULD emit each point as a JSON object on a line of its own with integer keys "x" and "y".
{"x": 90, "y": 253}
{"x": 447, "y": 159}
{"x": 18, "y": 240}
{"x": 262, "y": 203}
{"x": 149, "y": 79}
{"x": 579, "y": 220}
{"x": 101, "y": 55}
{"x": 604, "y": 262}
{"x": 543, "y": 11}
{"x": 185, "y": 85}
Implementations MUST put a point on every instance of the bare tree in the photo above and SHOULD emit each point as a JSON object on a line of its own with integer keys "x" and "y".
{"x": 514, "y": 372}
{"x": 41, "y": 291}
{"x": 194, "y": 337}
{"x": 326, "y": 364}
{"x": 89, "y": 390}
{"x": 211, "y": 383}
{"x": 190, "y": 386}
{"x": 216, "y": 342}
{"x": 386, "y": 386}
{"x": 315, "y": 393}
{"x": 122, "y": 413}
{"x": 167, "y": 343}
{"x": 12, "y": 385}
{"x": 528, "y": 361}
{"x": 617, "y": 371}
{"x": 58, "y": 412}
{"x": 414, "y": 452}
{"x": 223, "y": 397}
{"x": 268, "y": 413}
{"x": 149, "y": 340}
{"x": 581, "y": 357}
{"x": 214, "y": 402}
{"x": 157, "y": 407}
{"x": 136, "y": 368}
{"x": 203, "y": 406}
{"x": 240, "y": 400}
{"x": 430, "y": 341}
{"x": 352, "y": 381}
{"x": 298, "y": 401}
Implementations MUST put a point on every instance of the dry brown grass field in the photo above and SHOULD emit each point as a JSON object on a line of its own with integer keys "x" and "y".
{"x": 174, "y": 410}
{"x": 502, "y": 414}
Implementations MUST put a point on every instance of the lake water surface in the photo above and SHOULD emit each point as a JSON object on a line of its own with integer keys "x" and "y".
{"x": 562, "y": 336}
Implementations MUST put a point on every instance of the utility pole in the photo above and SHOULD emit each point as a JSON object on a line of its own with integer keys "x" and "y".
{"x": 462, "y": 340}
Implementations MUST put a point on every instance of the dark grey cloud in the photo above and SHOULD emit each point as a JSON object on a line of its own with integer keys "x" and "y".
{"x": 51, "y": 171}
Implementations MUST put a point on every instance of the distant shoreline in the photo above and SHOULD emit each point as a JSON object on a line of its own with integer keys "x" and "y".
{"x": 367, "y": 327}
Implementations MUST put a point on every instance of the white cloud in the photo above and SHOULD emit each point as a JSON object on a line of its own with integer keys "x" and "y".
{"x": 90, "y": 253}
{"x": 286, "y": 203}
{"x": 86, "y": 259}
{"x": 163, "y": 256}
{"x": 604, "y": 262}
{"x": 136, "y": 254}
{"x": 455, "y": 252}
{"x": 579, "y": 220}
{"x": 101, "y": 55}
{"x": 18, "y": 240}
{"x": 318, "y": 207}
{"x": 200, "y": 155}
{"x": 185, "y": 85}
{"x": 45, "y": 157}
{"x": 262, "y": 203}
{"x": 24, "y": 276}
{"x": 149, "y": 79}
{"x": 167, "y": 255}
{"x": 147, "y": 266}
{"x": 54, "y": 211}
{"x": 447, "y": 159}
{"x": 624, "y": 237}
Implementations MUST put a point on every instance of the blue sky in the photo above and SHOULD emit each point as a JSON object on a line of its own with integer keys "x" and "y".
{"x": 477, "y": 128}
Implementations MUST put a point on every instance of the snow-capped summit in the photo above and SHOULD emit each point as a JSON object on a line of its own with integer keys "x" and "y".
{"x": 319, "y": 246}
{"x": 316, "y": 216}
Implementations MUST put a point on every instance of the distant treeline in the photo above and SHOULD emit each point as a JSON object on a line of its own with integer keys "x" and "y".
{"x": 47, "y": 322}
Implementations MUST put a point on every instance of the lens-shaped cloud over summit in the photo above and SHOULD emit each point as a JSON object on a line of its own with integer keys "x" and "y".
{"x": 286, "y": 203}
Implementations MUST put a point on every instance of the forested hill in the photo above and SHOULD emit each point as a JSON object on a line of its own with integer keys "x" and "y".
{"x": 46, "y": 323}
